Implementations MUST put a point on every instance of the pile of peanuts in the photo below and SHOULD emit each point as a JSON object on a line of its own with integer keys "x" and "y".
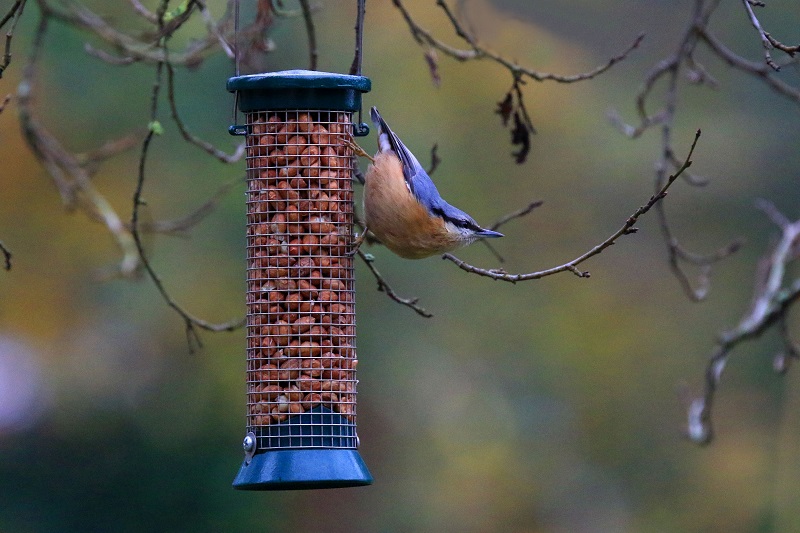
{"x": 300, "y": 301}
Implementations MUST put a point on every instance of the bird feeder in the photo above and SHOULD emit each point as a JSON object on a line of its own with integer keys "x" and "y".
{"x": 301, "y": 326}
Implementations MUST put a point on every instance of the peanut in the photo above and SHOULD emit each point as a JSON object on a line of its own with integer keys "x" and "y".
{"x": 300, "y": 322}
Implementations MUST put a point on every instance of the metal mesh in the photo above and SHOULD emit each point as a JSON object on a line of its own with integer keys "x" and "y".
{"x": 301, "y": 344}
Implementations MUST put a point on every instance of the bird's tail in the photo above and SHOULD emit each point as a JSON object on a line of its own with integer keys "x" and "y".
{"x": 384, "y": 132}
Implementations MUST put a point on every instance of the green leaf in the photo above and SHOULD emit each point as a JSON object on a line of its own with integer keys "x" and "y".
{"x": 177, "y": 12}
{"x": 156, "y": 127}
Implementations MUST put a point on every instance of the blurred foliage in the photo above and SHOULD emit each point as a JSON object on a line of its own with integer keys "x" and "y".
{"x": 549, "y": 406}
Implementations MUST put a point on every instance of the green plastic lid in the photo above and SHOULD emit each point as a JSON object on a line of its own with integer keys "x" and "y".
{"x": 299, "y": 89}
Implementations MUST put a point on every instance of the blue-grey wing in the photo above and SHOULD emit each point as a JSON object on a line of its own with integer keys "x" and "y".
{"x": 417, "y": 180}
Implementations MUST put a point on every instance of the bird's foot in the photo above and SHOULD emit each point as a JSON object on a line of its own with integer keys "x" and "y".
{"x": 357, "y": 150}
{"x": 357, "y": 244}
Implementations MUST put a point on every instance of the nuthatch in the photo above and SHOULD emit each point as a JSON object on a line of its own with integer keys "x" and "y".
{"x": 403, "y": 208}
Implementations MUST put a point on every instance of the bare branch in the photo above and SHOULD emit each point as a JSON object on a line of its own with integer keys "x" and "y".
{"x": 477, "y": 51}
{"x": 516, "y": 214}
{"x": 111, "y": 59}
{"x": 505, "y": 219}
{"x": 679, "y": 257}
{"x": 769, "y": 209}
{"x": 772, "y": 298}
{"x": 767, "y": 41}
{"x": 191, "y": 322}
{"x": 213, "y": 29}
{"x": 181, "y": 225}
{"x": 759, "y": 70}
{"x": 790, "y": 50}
{"x": 432, "y": 60}
{"x": 14, "y": 15}
{"x": 132, "y": 49}
{"x": 358, "y": 55}
{"x": 572, "y": 266}
{"x": 668, "y": 70}
{"x": 145, "y": 13}
{"x": 764, "y": 40}
{"x": 383, "y": 286}
{"x": 68, "y": 172}
{"x": 313, "y": 53}
{"x": 189, "y": 137}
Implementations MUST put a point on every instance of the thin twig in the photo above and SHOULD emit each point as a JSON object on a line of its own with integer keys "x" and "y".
{"x": 181, "y": 225}
{"x": 213, "y": 29}
{"x": 767, "y": 40}
{"x": 145, "y": 13}
{"x": 383, "y": 286}
{"x": 14, "y": 13}
{"x": 191, "y": 322}
{"x": 132, "y": 49}
{"x": 790, "y": 50}
{"x": 108, "y": 150}
{"x": 188, "y": 136}
{"x": 757, "y": 69}
{"x": 6, "y": 256}
{"x": 111, "y": 59}
{"x": 477, "y": 51}
{"x": 516, "y": 214}
{"x": 311, "y": 32}
{"x": 761, "y": 34}
{"x": 572, "y": 266}
{"x": 358, "y": 55}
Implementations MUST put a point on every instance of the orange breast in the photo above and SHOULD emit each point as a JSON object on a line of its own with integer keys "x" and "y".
{"x": 396, "y": 218}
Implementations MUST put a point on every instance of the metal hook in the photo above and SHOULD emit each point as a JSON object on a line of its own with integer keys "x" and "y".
{"x": 361, "y": 129}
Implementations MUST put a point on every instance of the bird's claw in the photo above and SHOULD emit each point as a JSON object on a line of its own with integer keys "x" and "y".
{"x": 357, "y": 150}
{"x": 357, "y": 244}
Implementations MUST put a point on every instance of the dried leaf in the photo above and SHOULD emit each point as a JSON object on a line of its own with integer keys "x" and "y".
{"x": 505, "y": 108}
{"x": 435, "y": 159}
{"x": 520, "y": 135}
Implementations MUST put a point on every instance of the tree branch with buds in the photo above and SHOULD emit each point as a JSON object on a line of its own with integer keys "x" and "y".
{"x": 522, "y": 126}
{"x": 191, "y": 322}
{"x": 572, "y": 266}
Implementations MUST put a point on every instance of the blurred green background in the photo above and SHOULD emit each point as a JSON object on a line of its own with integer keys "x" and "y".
{"x": 547, "y": 406}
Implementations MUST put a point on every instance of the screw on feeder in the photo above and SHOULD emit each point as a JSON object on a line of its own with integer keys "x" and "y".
{"x": 249, "y": 444}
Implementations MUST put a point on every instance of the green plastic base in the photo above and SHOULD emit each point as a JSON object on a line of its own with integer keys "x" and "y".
{"x": 305, "y": 468}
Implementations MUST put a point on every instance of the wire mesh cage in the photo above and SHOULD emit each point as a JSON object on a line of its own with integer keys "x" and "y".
{"x": 301, "y": 340}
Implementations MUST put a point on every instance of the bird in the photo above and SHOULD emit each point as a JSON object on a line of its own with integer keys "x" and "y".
{"x": 402, "y": 206}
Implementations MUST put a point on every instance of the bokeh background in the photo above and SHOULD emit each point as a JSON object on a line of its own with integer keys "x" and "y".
{"x": 547, "y": 406}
